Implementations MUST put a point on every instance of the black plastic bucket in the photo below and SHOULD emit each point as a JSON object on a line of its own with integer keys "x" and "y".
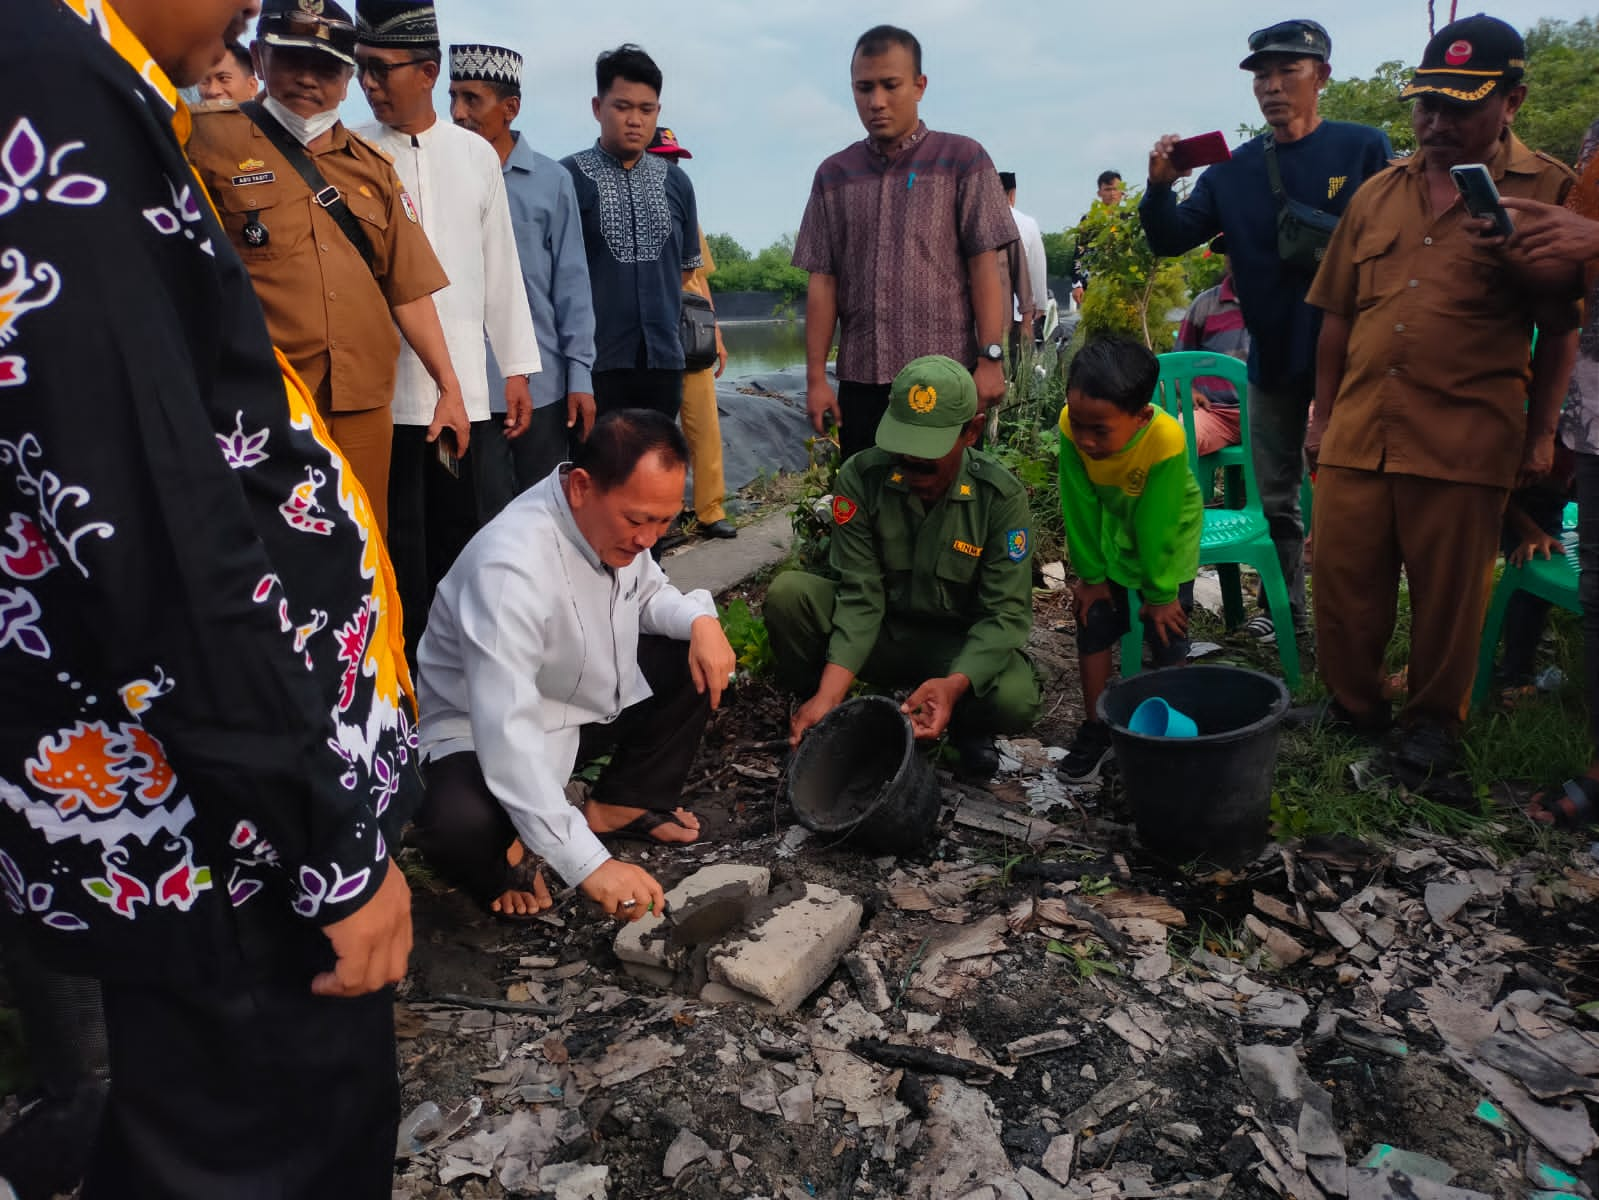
{"x": 858, "y": 775}
{"x": 1204, "y": 798}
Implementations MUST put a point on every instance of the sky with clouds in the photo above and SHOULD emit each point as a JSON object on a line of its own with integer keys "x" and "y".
{"x": 759, "y": 92}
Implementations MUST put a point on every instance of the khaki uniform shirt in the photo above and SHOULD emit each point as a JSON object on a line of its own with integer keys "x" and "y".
{"x": 1435, "y": 377}
{"x": 327, "y": 311}
{"x": 958, "y": 566}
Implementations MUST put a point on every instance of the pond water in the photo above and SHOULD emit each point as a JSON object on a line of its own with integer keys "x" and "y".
{"x": 754, "y": 347}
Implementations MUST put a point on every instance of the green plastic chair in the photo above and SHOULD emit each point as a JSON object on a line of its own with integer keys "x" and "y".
{"x": 1553, "y": 579}
{"x": 1232, "y": 536}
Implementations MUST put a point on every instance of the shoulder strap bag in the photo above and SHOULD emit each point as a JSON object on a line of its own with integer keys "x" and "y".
{"x": 323, "y": 192}
{"x": 1302, "y": 231}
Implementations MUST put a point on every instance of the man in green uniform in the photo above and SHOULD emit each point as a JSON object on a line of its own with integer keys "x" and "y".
{"x": 931, "y": 542}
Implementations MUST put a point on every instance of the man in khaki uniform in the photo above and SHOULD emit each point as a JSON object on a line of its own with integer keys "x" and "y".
{"x": 1430, "y": 402}
{"x": 331, "y": 313}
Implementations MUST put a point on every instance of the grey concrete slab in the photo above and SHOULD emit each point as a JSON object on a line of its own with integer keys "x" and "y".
{"x": 717, "y": 565}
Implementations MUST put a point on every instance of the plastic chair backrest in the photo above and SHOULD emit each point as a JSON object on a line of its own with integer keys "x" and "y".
{"x": 1173, "y": 393}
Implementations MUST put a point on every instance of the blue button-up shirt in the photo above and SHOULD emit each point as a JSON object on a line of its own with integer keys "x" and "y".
{"x": 555, "y": 273}
{"x": 641, "y": 231}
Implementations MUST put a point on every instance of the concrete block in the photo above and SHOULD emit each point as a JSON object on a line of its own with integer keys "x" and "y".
{"x": 787, "y": 954}
{"x": 644, "y": 940}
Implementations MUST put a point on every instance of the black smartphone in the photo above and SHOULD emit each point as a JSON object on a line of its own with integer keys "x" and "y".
{"x": 448, "y": 459}
{"x": 1476, "y": 188}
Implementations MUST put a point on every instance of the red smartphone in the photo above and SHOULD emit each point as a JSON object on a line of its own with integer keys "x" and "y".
{"x": 1200, "y": 151}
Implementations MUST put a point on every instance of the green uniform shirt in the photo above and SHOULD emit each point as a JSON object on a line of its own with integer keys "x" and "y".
{"x": 958, "y": 566}
{"x": 1134, "y": 518}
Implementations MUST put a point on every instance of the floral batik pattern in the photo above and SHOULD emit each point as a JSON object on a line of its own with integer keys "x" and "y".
{"x": 203, "y": 695}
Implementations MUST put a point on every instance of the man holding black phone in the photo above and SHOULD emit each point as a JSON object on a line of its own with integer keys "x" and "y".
{"x": 1427, "y": 413}
{"x": 1275, "y": 198}
{"x": 455, "y": 189}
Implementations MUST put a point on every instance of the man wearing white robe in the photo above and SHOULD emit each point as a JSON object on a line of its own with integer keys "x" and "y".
{"x": 455, "y": 189}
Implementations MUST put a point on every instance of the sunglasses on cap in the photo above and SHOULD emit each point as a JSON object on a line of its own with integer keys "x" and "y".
{"x": 339, "y": 35}
{"x": 1275, "y": 35}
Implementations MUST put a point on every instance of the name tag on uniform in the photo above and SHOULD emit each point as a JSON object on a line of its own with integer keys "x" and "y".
{"x": 968, "y": 548}
{"x": 255, "y": 177}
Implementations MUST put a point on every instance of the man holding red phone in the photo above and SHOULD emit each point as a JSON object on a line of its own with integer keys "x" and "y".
{"x": 1427, "y": 413}
{"x": 1317, "y": 166}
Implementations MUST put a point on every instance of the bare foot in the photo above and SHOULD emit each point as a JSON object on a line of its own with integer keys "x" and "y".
{"x": 608, "y": 818}
{"x": 519, "y": 901}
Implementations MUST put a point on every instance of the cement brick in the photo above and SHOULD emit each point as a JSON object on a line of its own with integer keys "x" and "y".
{"x": 644, "y": 940}
{"x": 790, "y": 952}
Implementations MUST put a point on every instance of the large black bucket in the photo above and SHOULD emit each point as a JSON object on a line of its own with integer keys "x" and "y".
{"x": 1204, "y": 798}
{"x": 858, "y": 775}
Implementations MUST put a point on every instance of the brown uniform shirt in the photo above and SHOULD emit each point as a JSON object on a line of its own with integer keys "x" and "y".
{"x": 1435, "y": 378}
{"x": 326, "y": 310}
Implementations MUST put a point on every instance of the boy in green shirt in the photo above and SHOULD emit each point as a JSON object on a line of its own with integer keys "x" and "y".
{"x": 1133, "y": 519}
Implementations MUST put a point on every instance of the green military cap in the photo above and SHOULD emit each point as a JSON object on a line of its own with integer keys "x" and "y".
{"x": 929, "y": 404}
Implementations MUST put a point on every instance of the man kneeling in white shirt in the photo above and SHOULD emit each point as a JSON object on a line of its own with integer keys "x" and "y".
{"x": 554, "y": 638}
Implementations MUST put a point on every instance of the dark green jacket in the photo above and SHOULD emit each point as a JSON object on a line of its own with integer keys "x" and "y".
{"x": 957, "y": 567}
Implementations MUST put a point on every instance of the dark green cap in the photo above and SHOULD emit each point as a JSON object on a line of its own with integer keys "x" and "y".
{"x": 929, "y": 404}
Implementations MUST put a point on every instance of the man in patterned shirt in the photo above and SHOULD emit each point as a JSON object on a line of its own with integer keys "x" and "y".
{"x": 641, "y": 234}
{"x": 205, "y": 727}
{"x": 900, "y": 237}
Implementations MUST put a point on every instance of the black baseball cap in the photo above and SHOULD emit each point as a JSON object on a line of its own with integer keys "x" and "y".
{"x": 309, "y": 24}
{"x": 1467, "y": 59}
{"x": 1301, "y": 38}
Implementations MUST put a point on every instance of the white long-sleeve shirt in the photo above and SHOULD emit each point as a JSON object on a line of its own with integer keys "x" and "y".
{"x": 530, "y": 638}
{"x": 1037, "y": 261}
{"x": 454, "y": 183}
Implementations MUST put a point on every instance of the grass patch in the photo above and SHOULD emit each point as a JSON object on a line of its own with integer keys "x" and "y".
{"x": 1542, "y": 739}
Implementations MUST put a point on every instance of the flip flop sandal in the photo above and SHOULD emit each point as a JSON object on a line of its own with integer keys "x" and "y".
{"x": 1571, "y": 806}
{"x": 642, "y": 828}
{"x": 521, "y": 878}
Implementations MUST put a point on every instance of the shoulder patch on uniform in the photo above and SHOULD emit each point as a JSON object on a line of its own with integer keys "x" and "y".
{"x": 1016, "y": 544}
{"x": 843, "y": 509}
{"x": 410, "y": 209}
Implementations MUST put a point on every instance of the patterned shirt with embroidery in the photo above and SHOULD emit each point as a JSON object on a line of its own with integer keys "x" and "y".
{"x": 205, "y": 728}
{"x": 640, "y": 232}
{"x": 896, "y": 233}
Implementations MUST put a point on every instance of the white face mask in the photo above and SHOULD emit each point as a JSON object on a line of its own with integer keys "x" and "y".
{"x": 304, "y": 130}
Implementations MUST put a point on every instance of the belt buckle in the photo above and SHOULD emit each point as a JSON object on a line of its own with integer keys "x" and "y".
{"x": 327, "y": 197}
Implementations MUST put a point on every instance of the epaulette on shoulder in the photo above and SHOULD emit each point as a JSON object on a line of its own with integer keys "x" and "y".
{"x": 209, "y": 108}
{"x": 362, "y": 140}
{"x": 989, "y": 470}
{"x": 1553, "y": 161}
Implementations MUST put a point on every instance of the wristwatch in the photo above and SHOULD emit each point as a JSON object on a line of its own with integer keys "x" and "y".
{"x": 993, "y": 352}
